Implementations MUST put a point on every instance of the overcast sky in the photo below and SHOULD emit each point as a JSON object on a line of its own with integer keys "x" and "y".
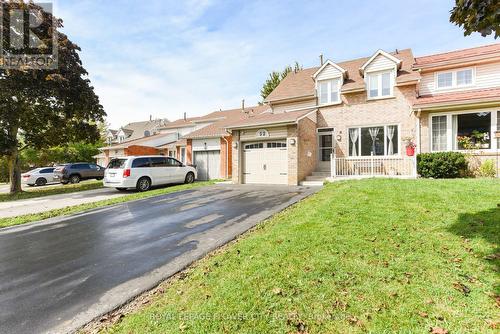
{"x": 164, "y": 58}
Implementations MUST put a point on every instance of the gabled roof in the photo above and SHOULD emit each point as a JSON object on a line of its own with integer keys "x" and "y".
{"x": 331, "y": 63}
{"x": 267, "y": 119}
{"x": 136, "y": 130}
{"x": 458, "y": 56}
{"x": 218, "y": 129}
{"x": 379, "y": 52}
{"x": 152, "y": 141}
{"x": 301, "y": 84}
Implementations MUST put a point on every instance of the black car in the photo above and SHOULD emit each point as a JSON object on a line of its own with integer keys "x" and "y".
{"x": 76, "y": 172}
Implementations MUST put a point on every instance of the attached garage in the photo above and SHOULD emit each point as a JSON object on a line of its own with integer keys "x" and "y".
{"x": 265, "y": 162}
{"x": 207, "y": 164}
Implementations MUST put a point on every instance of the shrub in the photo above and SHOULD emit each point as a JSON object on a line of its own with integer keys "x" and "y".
{"x": 442, "y": 165}
{"x": 487, "y": 169}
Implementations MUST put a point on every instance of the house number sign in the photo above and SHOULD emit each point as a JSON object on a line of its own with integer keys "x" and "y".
{"x": 262, "y": 133}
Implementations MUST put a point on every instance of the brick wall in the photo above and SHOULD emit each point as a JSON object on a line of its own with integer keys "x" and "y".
{"x": 224, "y": 157}
{"x": 307, "y": 144}
{"x": 358, "y": 111}
{"x": 235, "y": 158}
{"x": 293, "y": 155}
{"x": 141, "y": 150}
{"x": 189, "y": 151}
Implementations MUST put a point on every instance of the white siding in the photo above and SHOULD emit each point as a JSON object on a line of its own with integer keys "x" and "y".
{"x": 295, "y": 105}
{"x": 277, "y": 132}
{"x": 328, "y": 72}
{"x": 486, "y": 76}
{"x": 212, "y": 144}
{"x": 380, "y": 63}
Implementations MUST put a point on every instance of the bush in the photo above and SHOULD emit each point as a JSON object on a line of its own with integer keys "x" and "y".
{"x": 487, "y": 169}
{"x": 442, "y": 165}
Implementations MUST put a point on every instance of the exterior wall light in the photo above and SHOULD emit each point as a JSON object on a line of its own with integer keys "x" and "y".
{"x": 339, "y": 138}
{"x": 235, "y": 144}
{"x": 292, "y": 141}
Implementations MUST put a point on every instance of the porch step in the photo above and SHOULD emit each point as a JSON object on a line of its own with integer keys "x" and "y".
{"x": 316, "y": 178}
{"x": 311, "y": 183}
{"x": 321, "y": 173}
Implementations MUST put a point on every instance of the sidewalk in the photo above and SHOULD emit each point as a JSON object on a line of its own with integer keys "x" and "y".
{"x": 47, "y": 203}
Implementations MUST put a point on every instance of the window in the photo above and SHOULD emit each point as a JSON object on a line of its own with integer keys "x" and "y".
{"x": 461, "y": 131}
{"x": 329, "y": 91}
{"x": 158, "y": 162}
{"x": 253, "y": 146}
{"x": 117, "y": 164}
{"x": 445, "y": 79}
{"x": 183, "y": 154}
{"x": 80, "y": 166}
{"x": 276, "y": 144}
{"x": 171, "y": 162}
{"x": 47, "y": 170}
{"x": 439, "y": 136}
{"x": 141, "y": 163}
{"x": 472, "y": 131}
{"x": 380, "y": 84}
{"x": 464, "y": 77}
{"x": 454, "y": 79}
{"x": 379, "y": 140}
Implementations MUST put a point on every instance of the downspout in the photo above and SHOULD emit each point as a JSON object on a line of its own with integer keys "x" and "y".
{"x": 227, "y": 157}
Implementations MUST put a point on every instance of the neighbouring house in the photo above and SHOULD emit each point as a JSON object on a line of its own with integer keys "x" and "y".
{"x": 210, "y": 147}
{"x": 127, "y": 134}
{"x": 350, "y": 118}
{"x": 135, "y": 130}
{"x": 458, "y": 104}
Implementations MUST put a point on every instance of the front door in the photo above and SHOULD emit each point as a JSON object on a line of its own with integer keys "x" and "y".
{"x": 325, "y": 147}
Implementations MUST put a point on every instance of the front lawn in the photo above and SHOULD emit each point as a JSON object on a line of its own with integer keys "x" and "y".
{"x": 51, "y": 190}
{"x": 379, "y": 255}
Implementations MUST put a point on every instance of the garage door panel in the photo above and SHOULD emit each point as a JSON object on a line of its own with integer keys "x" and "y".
{"x": 265, "y": 164}
{"x": 207, "y": 164}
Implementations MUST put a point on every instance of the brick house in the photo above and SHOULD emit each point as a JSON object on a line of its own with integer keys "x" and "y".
{"x": 359, "y": 112}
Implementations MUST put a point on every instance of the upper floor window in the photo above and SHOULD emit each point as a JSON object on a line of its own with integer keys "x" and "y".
{"x": 379, "y": 85}
{"x": 329, "y": 91}
{"x": 453, "y": 79}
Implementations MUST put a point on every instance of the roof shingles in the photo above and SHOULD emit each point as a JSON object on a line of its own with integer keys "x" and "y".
{"x": 301, "y": 83}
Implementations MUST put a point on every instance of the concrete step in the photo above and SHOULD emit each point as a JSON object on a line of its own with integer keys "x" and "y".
{"x": 311, "y": 183}
{"x": 321, "y": 173}
{"x": 315, "y": 178}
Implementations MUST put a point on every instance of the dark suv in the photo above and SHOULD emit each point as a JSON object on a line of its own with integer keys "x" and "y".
{"x": 74, "y": 173}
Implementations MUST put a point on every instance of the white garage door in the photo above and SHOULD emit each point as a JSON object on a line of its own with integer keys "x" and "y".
{"x": 207, "y": 164}
{"x": 265, "y": 162}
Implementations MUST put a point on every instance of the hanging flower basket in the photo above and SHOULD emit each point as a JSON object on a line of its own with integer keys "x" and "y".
{"x": 410, "y": 151}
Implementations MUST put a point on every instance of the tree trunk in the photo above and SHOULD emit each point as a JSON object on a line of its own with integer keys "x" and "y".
{"x": 14, "y": 172}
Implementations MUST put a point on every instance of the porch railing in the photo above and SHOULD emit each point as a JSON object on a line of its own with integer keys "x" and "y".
{"x": 373, "y": 166}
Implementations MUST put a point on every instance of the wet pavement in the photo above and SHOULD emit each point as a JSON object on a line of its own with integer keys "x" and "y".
{"x": 59, "y": 274}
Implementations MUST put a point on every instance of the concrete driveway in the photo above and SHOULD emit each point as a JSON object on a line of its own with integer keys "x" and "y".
{"x": 52, "y": 202}
{"x": 59, "y": 274}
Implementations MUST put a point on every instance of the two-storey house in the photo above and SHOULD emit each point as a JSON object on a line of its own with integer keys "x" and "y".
{"x": 356, "y": 117}
{"x": 458, "y": 104}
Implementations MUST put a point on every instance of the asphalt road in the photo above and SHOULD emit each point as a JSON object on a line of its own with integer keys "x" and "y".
{"x": 59, "y": 274}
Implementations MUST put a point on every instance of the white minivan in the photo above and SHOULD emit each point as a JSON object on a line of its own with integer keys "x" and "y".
{"x": 143, "y": 172}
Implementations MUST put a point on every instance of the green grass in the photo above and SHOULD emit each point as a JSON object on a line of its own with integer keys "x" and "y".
{"x": 5, "y": 222}
{"x": 51, "y": 190}
{"x": 378, "y": 256}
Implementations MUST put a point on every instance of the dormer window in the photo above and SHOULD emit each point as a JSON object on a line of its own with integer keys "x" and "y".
{"x": 454, "y": 79}
{"x": 380, "y": 84}
{"x": 329, "y": 91}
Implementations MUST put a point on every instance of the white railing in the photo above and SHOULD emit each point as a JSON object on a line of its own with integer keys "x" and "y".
{"x": 373, "y": 166}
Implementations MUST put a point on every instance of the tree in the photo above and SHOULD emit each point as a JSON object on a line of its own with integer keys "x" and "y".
{"x": 481, "y": 16}
{"x": 44, "y": 107}
{"x": 275, "y": 78}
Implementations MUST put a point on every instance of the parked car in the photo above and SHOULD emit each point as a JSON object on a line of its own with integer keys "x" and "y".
{"x": 76, "y": 172}
{"x": 39, "y": 177}
{"x": 143, "y": 172}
